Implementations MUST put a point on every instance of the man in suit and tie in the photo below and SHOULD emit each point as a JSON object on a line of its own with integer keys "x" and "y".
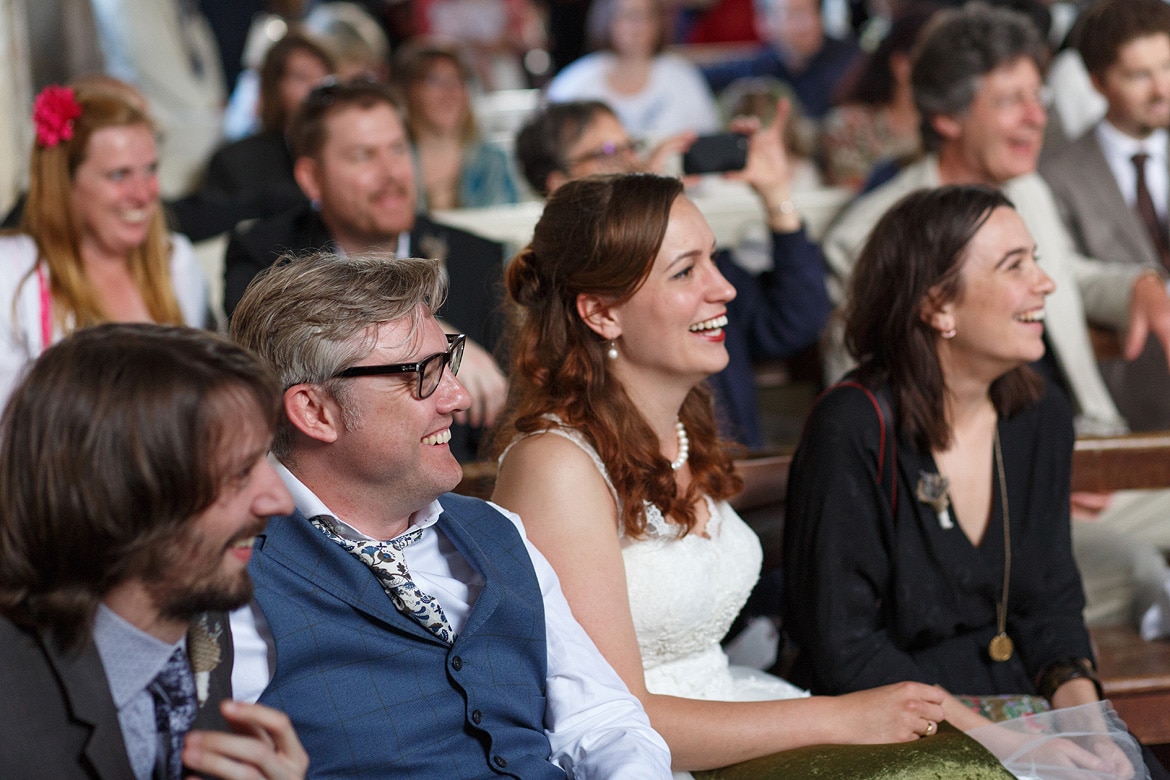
{"x": 416, "y": 633}
{"x": 355, "y": 165}
{"x": 1112, "y": 184}
{"x": 133, "y": 479}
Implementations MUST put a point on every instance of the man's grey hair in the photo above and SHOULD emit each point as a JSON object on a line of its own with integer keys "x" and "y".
{"x": 957, "y": 48}
{"x": 310, "y": 316}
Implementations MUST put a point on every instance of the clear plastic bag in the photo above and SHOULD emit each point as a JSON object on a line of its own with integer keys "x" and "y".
{"x": 1089, "y": 742}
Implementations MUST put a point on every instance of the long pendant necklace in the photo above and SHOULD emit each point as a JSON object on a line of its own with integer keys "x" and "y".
{"x": 1001, "y": 646}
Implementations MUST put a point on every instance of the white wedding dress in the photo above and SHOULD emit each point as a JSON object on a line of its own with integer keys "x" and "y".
{"x": 685, "y": 591}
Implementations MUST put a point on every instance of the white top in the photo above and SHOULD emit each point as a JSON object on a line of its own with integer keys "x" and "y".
{"x": 21, "y": 340}
{"x": 676, "y": 97}
{"x": 595, "y": 727}
{"x": 684, "y": 592}
{"x": 1119, "y": 149}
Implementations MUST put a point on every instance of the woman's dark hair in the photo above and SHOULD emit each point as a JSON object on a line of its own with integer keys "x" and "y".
{"x": 599, "y": 236}
{"x": 916, "y": 254}
{"x": 870, "y": 80}
{"x": 273, "y": 118}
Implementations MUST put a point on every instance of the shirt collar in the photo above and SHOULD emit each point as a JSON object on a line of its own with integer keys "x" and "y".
{"x": 131, "y": 657}
{"x": 1127, "y": 146}
{"x": 311, "y": 506}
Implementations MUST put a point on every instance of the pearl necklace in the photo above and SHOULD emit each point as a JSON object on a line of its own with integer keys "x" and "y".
{"x": 684, "y": 446}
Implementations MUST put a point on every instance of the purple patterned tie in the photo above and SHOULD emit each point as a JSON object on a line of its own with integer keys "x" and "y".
{"x": 174, "y": 710}
{"x": 387, "y": 562}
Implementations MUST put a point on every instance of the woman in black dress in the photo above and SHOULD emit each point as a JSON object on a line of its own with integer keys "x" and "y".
{"x": 927, "y": 531}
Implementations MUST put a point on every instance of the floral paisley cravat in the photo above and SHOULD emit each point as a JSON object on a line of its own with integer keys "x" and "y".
{"x": 385, "y": 559}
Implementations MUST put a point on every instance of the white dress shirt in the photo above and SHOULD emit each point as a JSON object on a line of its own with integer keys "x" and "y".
{"x": 595, "y": 727}
{"x": 1119, "y": 150}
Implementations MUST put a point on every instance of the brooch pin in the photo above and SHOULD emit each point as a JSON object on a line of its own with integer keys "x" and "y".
{"x": 932, "y": 491}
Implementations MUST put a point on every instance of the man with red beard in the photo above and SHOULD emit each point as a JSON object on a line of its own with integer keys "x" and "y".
{"x": 977, "y": 85}
{"x": 133, "y": 480}
{"x": 354, "y": 163}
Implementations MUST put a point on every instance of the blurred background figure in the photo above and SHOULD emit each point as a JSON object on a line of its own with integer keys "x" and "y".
{"x": 92, "y": 245}
{"x": 166, "y": 49}
{"x": 262, "y": 164}
{"x": 757, "y": 98}
{"x": 875, "y": 118}
{"x": 654, "y": 93}
{"x": 796, "y": 50}
{"x": 353, "y": 38}
{"x": 455, "y": 167}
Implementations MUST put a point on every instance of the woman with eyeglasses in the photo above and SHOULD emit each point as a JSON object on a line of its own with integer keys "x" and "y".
{"x": 653, "y": 92}
{"x": 92, "y": 246}
{"x": 612, "y": 457}
{"x": 454, "y": 166}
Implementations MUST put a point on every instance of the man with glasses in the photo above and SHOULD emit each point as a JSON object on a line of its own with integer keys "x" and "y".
{"x": 354, "y": 163}
{"x": 416, "y": 633}
{"x": 977, "y": 85}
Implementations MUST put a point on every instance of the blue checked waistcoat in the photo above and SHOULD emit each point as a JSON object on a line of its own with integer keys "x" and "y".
{"x": 374, "y": 694}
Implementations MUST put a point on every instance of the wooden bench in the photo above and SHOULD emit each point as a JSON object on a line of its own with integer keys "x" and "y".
{"x": 1134, "y": 673}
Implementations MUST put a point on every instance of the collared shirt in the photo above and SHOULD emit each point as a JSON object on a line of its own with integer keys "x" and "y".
{"x": 1119, "y": 150}
{"x": 595, "y": 727}
{"x": 132, "y": 659}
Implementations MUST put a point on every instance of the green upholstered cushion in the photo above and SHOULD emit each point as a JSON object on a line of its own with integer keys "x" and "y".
{"x": 949, "y": 754}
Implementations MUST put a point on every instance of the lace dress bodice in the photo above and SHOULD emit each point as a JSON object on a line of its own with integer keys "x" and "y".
{"x": 685, "y": 591}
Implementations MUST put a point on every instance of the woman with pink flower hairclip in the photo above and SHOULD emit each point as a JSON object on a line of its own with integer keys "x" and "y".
{"x": 92, "y": 245}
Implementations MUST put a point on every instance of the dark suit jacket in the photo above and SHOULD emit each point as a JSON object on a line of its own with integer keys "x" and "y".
{"x": 57, "y": 717}
{"x": 1103, "y": 226}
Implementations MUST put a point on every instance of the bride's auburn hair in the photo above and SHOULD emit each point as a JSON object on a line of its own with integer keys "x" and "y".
{"x": 599, "y": 236}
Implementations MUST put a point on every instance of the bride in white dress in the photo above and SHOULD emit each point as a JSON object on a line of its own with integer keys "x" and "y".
{"x": 615, "y": 465}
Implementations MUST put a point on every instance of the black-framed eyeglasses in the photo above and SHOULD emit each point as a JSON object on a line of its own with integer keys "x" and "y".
{"x": 429, "y": 369}
{"x": 608, "y": 153}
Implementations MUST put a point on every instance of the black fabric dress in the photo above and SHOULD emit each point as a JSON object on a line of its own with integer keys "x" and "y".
{"x": 877, "y": 594}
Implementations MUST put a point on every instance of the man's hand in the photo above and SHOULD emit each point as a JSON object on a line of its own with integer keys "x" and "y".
{"x": 1149, "y": 312}
{"x": 486, "y": 384}
{"x": 263, "y": 747}
{"x": 662, "y": 155}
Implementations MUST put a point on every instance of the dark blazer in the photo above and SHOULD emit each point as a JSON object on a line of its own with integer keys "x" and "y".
{"x": 1103, "y": 226}
{"x": 57, "y": 717}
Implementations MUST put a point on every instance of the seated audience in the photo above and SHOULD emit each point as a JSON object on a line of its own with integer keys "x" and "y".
{"x": 875, "y": 118}
{"x": 261, "y": 165}
{"x": 115, "y": 657}
{"x": 353, "y": 38}
{"x": 976, "y": 79}
{"x": 796, "y": 50}
{"x": 759, "y": 97}
{"x": 653, "y": 92}
{"x": 775, "y": 314}
{"x": 455, "y": 168}
{"x": 1113, "y": 201}
{"x": 927, "y": 530}
{"x": 92, "y": 245}
{"x": 352, "y": 160}
{"x": 417, "y": 624}
{"x": 614, "y": 460}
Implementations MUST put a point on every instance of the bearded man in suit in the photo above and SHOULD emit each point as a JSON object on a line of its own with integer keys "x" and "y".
{"x": 133, "y": 479}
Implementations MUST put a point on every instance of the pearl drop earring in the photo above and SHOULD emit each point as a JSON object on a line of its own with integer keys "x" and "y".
{"x": 612, "y": 352}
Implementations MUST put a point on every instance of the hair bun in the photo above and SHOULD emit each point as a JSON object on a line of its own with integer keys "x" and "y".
{"x": 524, "y": 282}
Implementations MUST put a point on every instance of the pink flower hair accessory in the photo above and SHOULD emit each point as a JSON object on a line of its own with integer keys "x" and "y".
{"x": 54, "y": 110}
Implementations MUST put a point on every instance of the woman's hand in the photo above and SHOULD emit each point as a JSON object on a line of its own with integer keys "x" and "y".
{"x": 263, "y": 747}
{"x": 768, "y": 170}
{"x": 893, "y": 713}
